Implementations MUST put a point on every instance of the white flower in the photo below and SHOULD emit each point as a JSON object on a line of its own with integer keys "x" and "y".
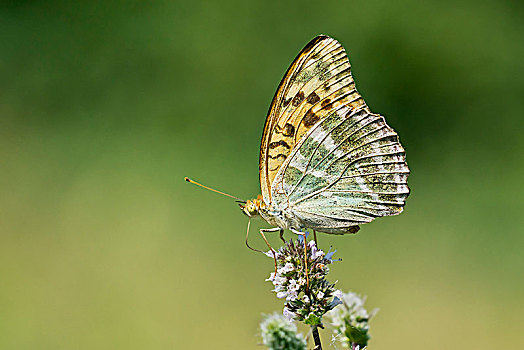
{"x": 290, "y": 281}
{"x": 279, "y": 288}
{"x": 278, "y": 280}
{"x": 288, "y": 314}
{"x": 316, "y": 253}
{"x": 338, "y": 293}
{"x": 278, "y": 332}
{"x": 351, "y": 313}
{"x": 291, "y": 295}
{"x": 281, "y": 295}
{"x": 293, "y": 285}
{"x": 271, "y": 277}
{"x": 288, "y": 267}
{"x": 269, "y": 253}
{"x": 355, "y": 304}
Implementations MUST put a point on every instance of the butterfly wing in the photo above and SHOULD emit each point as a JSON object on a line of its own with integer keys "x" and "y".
{"x": 318, "y": 81}
{"x": 347, "y": 170}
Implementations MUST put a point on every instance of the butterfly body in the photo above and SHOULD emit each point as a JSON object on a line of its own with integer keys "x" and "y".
{"x": 327, "y": 162}
{"x": 287, "y": 219}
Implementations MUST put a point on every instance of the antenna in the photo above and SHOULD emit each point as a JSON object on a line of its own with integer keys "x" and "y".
{"x": 212, "y": 189}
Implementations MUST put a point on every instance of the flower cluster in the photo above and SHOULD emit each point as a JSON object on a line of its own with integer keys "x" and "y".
{"x": 280, "y": 333}
{"x": 308, "y": 296}
{"x": 350, "y": 321}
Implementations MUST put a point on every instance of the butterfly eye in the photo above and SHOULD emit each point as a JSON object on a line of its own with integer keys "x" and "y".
{"x": 252, "y": 208}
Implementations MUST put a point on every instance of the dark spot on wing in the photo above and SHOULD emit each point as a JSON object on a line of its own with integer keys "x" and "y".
{"x": 278, "y": 156}
{"x": 282, "y": 143}
{"x": 310, "y": 119}
{"x": 289, "y": 130}
{"x": 313, "y": 98}
{"x": 357, "y": 103}
{"x": 297, "y": 100}
{"x": 325, "y": 102}
{"x": 343, "y": 73}
{"x": 357, "y": 113}
{"x": 286, "y": 101}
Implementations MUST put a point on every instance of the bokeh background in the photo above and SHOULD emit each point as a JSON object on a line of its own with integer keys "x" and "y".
{"x": 106, "y": 105}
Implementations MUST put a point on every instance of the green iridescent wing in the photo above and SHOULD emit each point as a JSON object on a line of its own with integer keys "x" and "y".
{"x": 348, "y": 170}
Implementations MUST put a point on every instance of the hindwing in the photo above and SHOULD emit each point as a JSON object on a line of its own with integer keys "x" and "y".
{"x": 348, "y": 170}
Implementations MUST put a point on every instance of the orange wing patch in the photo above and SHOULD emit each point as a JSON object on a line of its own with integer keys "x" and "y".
{"x": 317, "y": 83}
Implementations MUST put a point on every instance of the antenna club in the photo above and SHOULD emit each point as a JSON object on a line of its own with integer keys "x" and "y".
{"x": 211, "y": 189}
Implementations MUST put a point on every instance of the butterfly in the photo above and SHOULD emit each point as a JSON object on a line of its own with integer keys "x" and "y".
{"x": 327, "y": 163}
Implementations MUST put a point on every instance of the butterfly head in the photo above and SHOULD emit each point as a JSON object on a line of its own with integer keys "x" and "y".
{"x": 252, "y": 206}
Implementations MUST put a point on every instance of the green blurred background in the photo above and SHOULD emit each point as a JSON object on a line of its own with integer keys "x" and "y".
{"x": 106, "y": 106}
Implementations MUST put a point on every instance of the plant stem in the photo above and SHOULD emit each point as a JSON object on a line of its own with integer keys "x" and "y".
{"x": 316, "y": 337}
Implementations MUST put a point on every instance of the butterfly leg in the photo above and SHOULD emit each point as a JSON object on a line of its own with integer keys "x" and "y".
{"x": 315, "y": 237}
{"x": 282, "y": 235}
{"x": 247, "y": 236}
{"x": 269, "y": 245}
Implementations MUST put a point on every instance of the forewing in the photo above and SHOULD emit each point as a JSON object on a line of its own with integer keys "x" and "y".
{"x": 317, "y": 82}
{"x": 348, "y": 170}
